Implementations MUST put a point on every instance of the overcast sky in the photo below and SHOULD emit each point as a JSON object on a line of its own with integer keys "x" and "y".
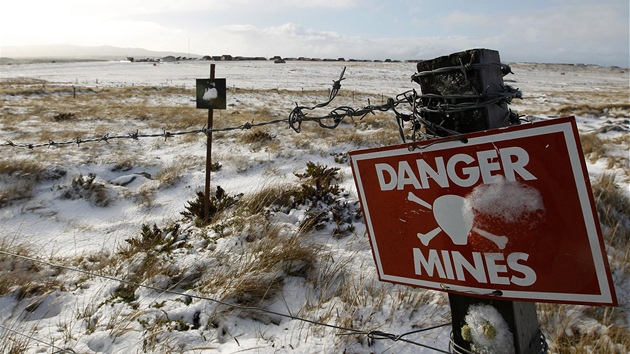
{"x": 558, "y": 31}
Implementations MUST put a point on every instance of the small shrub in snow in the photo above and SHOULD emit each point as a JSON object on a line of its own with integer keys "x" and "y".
{"x": 257, "y": 136}
{"x": 218, "y": 202}
{"x": 126, "y": 292}
{"x": 63, "y": 116}
{"x": 154, "y": 237}
{"x": 325, "y": 200}
{"x": 85, "y": 187}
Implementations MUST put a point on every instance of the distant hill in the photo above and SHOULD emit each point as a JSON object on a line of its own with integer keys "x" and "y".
{"x": 68, "y": 52}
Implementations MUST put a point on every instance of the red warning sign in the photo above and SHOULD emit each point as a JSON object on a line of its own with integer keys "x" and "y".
{"x": 506, "y": 212}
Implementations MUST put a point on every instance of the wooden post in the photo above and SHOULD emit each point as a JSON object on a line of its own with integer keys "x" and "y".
{"x": 484, "y": 76}
{"x": 206, "y": 201}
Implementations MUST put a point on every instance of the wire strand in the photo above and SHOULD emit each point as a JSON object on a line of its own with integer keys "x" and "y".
{"x": 352, "y": 331}
{"x": 58, "y": 349}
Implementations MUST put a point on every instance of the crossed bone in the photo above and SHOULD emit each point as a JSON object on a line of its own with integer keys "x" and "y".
{"x": 449, "y": 213}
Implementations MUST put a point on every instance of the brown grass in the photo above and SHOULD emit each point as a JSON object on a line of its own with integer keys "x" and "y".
{"x": 19, "y": 177}
{"x": 568, "y": 332}
{"x": 613, "y": 208}
{"x": 274, "y": 194}
{"x": 613, "y": 110}
{"x": 593, "y": 146}
{"x": 258, "y": 273}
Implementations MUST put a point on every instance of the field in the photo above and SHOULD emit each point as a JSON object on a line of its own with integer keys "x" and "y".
{"x": 103, "y": 249}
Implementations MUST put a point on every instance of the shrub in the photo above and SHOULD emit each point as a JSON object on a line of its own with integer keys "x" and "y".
{"x": 84, "y": 187}
{"x": 153, "y": 237}
{"x": 63, "y": 116}
{"x": 217, "y": 203}
{"x": 325, "y": 200}
{"x": 257, "y": 136}
{"x": 319, "y": 193}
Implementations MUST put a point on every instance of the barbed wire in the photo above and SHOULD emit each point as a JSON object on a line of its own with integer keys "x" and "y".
{"x": 372, "y": 335}
{"x": 418, "y": 107}
{"x": 137, "y": 135}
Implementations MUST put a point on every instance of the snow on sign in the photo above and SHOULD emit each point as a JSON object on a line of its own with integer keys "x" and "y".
{"x": 211, "y": 93}
{"x": 509, "y": 212}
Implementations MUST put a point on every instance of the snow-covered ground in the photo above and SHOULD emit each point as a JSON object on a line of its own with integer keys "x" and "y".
{"x": 58, "y": 224}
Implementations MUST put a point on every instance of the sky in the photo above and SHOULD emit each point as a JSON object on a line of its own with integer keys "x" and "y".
{"x": 552, "y": 31}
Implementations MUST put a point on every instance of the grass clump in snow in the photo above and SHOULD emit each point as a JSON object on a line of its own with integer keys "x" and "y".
{"x": 613, "y": 110}
{"x": 13, "y": 344}
{"x": 318, "y": 193}
{"x": 25, "y": 279}
{"x": 613, "y": 207}
{"x": 593, "y": 146}
{"x": 14, "y": 271}
{"x": 251, "y": 275}
{"x": 150, "y": 258}
{"x": 266, "y": 265}
{"x": 18, "y": 178}
{"x": 322, "y": 196}
{"x": 86, "y": 187}
{"x": 581, "y": 329}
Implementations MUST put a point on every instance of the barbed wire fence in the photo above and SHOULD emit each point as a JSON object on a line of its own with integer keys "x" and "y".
{"x": 410, "y": 109}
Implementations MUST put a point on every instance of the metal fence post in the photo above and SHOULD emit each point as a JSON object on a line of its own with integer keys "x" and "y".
{"x": 206, "y": 201}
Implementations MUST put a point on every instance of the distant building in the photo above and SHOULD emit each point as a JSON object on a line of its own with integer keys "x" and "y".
{"x": 169, "y": 59}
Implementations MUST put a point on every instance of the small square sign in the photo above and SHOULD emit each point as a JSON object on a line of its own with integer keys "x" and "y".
{"x": 506, "y": 211}
{"x": 211, "y": 94}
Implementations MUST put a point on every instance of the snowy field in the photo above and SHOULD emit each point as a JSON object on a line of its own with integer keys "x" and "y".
{"x": 82, "y": 206}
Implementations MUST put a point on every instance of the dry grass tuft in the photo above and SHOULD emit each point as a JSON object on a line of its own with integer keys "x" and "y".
{"x": 13, "y": 344}
{"x": 25, "y": 279}
{"x": 613, "y": 207}
{"x": 18, "y": 177}
{"x": 278, "y": 194}
{"x": 257, "y": 273}
{"x": 593, "y": 146}
{"x": 613, "y": 110}
{"x": 569, "y": 329}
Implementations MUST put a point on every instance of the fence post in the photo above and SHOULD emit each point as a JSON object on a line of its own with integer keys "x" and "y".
{"x": 206, "y": 200}
{"x": 475, "y": 72}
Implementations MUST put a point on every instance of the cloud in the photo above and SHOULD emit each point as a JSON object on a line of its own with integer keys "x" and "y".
{"x": 293, "y": 40}
{"x": 556, "y": 31}
{"x": 567, "y": 31}
{"x": 337, "y": 4}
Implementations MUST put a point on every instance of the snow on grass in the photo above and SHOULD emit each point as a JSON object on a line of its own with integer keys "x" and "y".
{"x": 113, "y": 209}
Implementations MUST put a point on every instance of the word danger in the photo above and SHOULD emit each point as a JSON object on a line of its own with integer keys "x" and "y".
{"x": 485, "y": 268}
{"x": 461, "y": 169}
